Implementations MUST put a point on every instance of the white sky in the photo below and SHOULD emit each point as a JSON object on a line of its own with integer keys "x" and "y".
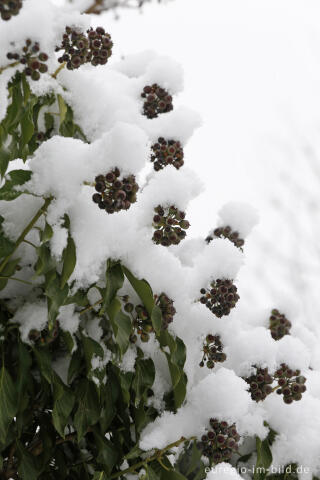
{"x": 252, "y": 70}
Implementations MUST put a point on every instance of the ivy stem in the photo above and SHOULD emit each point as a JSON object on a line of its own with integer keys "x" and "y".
{"x": 87, "y": 309}
{"x": 30, "y": 243}
{"x": 155, "y": 456}
{"x": 55, "y": 74}
{"x": 32, "y": 222}
{"x": 10, "y": 65}
{"x": 16, "y": 279}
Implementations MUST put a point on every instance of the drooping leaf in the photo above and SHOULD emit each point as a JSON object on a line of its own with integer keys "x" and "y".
{"x": 114, "y": 281}
{"x": 156, "y": 319}
{"x": 264, "y": 459}
{"x": 108, "y": 453}
{"x": 8, "y": 402}
{"x": 69, "y": 261}
{"x": 62, "y": 108}
{"x": 19, "y": 177}
{"x": 88, "y": 410}
{"x": 143, "y": 378}
{"x": 63, "y": 404}
{"x": 28, "y": 465}
{"x": 142, "y": 289}
{"x": 27, "y": 128}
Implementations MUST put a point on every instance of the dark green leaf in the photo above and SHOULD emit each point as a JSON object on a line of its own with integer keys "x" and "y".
{"x": 88, "y": 410}
{"x": 143, "y": 379}
{"x": 62, "y": 407}
{"x": 27, "y": 128}
{"x": 172, "y": 475}
{"x": 151, "y": 475}
{"x": 69, "y": 261}
{"x": 62, "y": 108}
{"x": 114, "y": 281}
{"x": 25, "y": 362}
{"x": 156, "y": 318}
{"x": 28, "y": 465}
{"x": 8, "y": 271}
{"x": 100, "y": 476}
{"x": 8, "y": 402}
{"x": 19, "y": 177}
{"x": 6, "y": 245}
{"x": 91, "y": 348}
{"x": 264, "y": 459}
{"x": 43, "y": 358}
{"x": 108, "y": 453}
{"x": 142, "y": 288}
{"x": 4, "y": 161}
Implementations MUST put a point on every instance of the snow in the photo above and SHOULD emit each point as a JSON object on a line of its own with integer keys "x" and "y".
{"x": 223, "y": 471}
{"x": 32, "y": 316}
{"x": 107, "y": 105}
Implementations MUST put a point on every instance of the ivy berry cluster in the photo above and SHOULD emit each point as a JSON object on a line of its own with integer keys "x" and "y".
{"x": 291, "y": 383}
{"x": 32, "y": 58}
{"x": 220, "y": 441}
{"x": 44, "y": 337}
{"x": 279, "y": 325}
{"x": 260, "y": 384}
{"x": 170, "y": 225}
{"x": 167, "y": 309}
{"x": 167, "y": 152}
{"x": 221, "y": 297}
{"x": 212, "y": 351}
{"x": 95, "y": 47}
{"x": 226, "y": 232}
{"x": 157, "y": 100}
{"x": 9, "y": 8}
{"x": 141, "y": 320}
{"x": 115, "y": 194}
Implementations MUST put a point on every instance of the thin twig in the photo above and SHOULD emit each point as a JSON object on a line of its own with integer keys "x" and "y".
{"x": 2, "y": 277}
{"x": 156, "y": 456}
{"x": 10, "y": 65}
{"x": 25, "y": 232}
{"x": 90, "y": 307}
{"x": 55, "y": 74}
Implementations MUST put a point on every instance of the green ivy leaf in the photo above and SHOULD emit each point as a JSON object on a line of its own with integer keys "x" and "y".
{"x": 88, "y": 410}
{"x": 172, "y": 475}
{"x": 100, "y": 476}
{"x": 114, "y": 281}
{"x": 142, "y": 289}
{"x": 63, "y": 108}
{"x": 43, "y": 358}
{"x": 8, "y": 271}
{"x": 27, "y": 128}
{"x": 19, "y": 177}
{"x": 121, "y": 325}
{"x": 28, "y": 465}
{"x": 176, "y": 360}
{"x": 264, "y": 459}
{"x": 25, "y": 362}
{"x": 6, "y": 245}
{"x": 63, "y": 405}
{"x": 143, "y": 379}
{"x": 156, "y": 319}
{"x": 76, "y": 365}
{"x": 151, "y": 474}
{"x": 69, "y": 261}
{"x": 56, "y": 297}
{"x": 8, "y": 403}
{"x": 108, "y": 453}
{"x": 4, "y": 161}
{"x": 91, "y": 348}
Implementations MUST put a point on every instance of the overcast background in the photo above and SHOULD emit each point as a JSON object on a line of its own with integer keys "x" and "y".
{"x": 252, "y": 70}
